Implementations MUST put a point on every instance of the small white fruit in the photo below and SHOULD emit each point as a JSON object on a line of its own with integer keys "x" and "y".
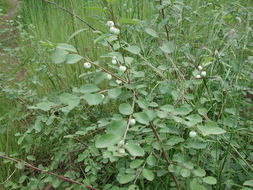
{"x": 193, "y": 134}
{"x": 109, "y": 77}
{"x": 198, "y": 77}
{"x": 110, "y": 23}
{"x": 121, "y": 143}
{"x": 114, "y": 30}
{"x": 132, "y": 121}
{"x": 200, "y": 68}
{"x": 122, "y": 151}
{"x": 203, "y": 73}
{"x": 122, "y": 68}
{"x": 87, "y": 65}
{"x": 118, "y": 81}
{"x": 114, "y": 61}
{"x": 103, "y": 96}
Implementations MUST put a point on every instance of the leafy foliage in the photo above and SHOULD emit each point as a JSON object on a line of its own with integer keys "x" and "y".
{"x": 131, "y": 130}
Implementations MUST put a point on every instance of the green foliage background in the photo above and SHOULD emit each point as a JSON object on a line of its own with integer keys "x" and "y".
{"x": 75, "y": 122}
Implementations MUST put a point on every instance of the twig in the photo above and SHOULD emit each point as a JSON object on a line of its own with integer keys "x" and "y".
{"x": 165, "y": 154}
{"x": 163, "y": 17}
{"x": 7, "y": 179}
{"x": 50, "y": 173}
{"x": 109, "y": 72}
{"x": 72, "y": 14}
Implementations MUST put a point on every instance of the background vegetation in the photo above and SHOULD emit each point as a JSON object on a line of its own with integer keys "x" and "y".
{"x": 191, "y": 130}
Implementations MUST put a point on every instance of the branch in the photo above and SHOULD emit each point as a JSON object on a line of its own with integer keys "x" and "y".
{"x": 165, "y": 154}
{"x": 70, "y": 13}
{"x": 50, "y": 173}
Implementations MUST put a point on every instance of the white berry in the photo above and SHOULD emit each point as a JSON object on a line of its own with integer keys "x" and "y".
{"x": 203, "y": 73}
{"x": 200, "y": 67}
{"x": 110, "y": 23}
{"x": 103, "y": 96}
{"x": 109, "y": 77}
{"x": 121, "y": 143}
{"x": 87, "y": 65}
{"x": 122, "y": 151}
{"x": 197, "y": 76}
{"x": 132, "y": 121}
{"x": 192, "y": 134}
{"x": 122, "y": 68}
{"x": 114, "y": 61}
{"x": 118, "y": 81}
{"x": 114, "y": 30}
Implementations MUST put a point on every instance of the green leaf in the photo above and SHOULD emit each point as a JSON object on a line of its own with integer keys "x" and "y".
{"x": 142, "y": 118}
{"x": 248, "y": 183}
{"x": 133, "y": 187}
{"x": 168, "y": 47}
{"x": 66, "y": 47}
{"x": 193, "y": 120}
{"x": 198, "y": 187}
{"x": 211, "y": 128}
{"x": 185, "y": 173}
{"x": 151, "y": 160}
{"x": 151, "y": 32}
{"x": 20, "y": 165}
{"x": 114, "y": 93}
{"x": 136, "y": 163}
{"x": 123, "y": 179}
{"x": 183, "y": 110}
{"x": 125, "y": 109}
{"x": 31, "y": 157}
{"x": 106, "y": 140}
{"x": 142, "y": 103}
{"x": 209, "y": 180}
{"x": 45, "y": 106}
{"x": 71, "y": 100}
{"x": 117, "y": 127}
{"x": 174, "y": 140}
{"x": 133, "y": 49}
{"x": 134, "y": 150}
{"x": 38, "y": 125}
{"x": 93, "y": 99}
{"x": 87, "y": 88}
{"x": 148, "y": 174}
{"x": 73, "y": 58}
{"x": 99, "y": 77}
{"x": 199, "y": 172}
{"x": 59, "y": 56}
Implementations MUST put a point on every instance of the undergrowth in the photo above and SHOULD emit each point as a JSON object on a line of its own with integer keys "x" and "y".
{"x": 130, "y": 95}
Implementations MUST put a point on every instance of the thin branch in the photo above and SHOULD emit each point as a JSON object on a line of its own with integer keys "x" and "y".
{"x": 109, "y": 72}
{"x": 72, "y": 14}
{"x": 165, "y": 154}
{"x": 7, "y": 179}
{"x": 50, "y": 173}
{"x": 163, "y": 17}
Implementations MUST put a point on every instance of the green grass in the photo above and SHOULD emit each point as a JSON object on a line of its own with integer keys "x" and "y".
{"x": 5, "y": 5}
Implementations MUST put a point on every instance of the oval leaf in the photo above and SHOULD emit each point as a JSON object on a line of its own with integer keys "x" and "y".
{"x": 133, "y": 49}
{"x": 106, "y": 140}
{"x": 134, "y": 150}
{"x": 125, "y": 109}
{"x": 93, "y": 99}
{"x": 148, "y": 174}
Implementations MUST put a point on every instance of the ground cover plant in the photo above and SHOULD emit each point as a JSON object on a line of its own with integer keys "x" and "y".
{"x": 127, "y": 95}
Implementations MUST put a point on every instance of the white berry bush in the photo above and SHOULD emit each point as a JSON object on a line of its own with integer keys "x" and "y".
{"x": 153, "y": 108}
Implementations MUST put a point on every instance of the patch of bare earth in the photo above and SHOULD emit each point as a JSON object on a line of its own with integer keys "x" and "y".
{"x": 8, "y": 35}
